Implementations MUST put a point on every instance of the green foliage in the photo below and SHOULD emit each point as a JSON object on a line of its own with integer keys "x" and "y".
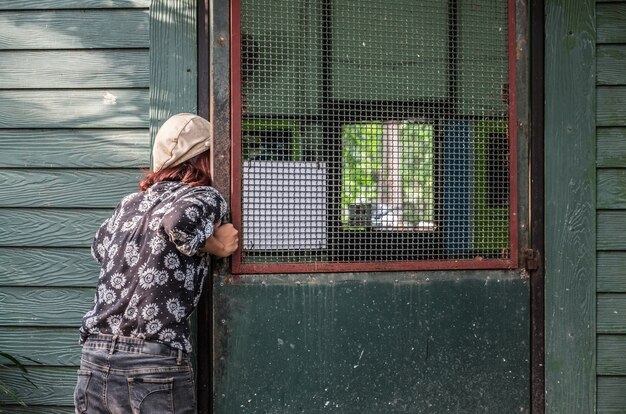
{"x": 363, "y": 164}
{"x": 4, "y": 387}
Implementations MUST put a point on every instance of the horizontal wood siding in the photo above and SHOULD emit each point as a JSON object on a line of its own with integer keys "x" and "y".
{"x": 74, "y": 133}
{"x": 76, "y": 69}
{"x": 89, "y": 108}
{"x": 53, "y": 385}
{"x": 71, "y": 4}
{"x": 75, "y": 148}
{"x": 74, "y": 29}
{"x": 611, "y": 204}
{"x": 50, "y": 346}
{"x": 47, "y": 266}
{"x": 66, "y": 188}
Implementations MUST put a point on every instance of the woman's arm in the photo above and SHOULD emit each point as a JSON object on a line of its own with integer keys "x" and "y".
{"x": 223, "y": 242}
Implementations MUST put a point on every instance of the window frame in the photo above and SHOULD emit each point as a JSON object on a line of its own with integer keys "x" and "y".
{"x": 339, "y": 106}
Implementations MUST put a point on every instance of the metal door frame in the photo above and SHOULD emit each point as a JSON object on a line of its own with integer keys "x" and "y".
{"x": 214, "y": 91}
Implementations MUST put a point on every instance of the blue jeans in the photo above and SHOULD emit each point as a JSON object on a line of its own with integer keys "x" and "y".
{"x": 129, "y": 375}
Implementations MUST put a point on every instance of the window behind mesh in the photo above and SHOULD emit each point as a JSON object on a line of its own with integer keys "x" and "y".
{"x": 372, "y": 134}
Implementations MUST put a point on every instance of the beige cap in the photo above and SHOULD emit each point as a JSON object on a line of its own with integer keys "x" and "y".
{"x": 181, "y": 137}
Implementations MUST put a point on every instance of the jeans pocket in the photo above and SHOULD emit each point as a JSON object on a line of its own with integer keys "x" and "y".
{"x": 151, "y": 395}
{"x": 80, "y": 392}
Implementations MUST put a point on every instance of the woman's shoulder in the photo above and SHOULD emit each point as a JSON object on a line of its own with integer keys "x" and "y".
{"x": 203, "y": 192}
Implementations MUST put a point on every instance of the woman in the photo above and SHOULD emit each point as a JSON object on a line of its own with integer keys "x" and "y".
{"x": 154, "y": 257}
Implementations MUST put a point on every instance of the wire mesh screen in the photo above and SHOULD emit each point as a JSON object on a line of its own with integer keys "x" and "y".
{"x": 372, "y": 131}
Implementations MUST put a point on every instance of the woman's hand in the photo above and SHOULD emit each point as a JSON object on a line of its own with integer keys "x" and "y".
{"x": 223, "y": 242}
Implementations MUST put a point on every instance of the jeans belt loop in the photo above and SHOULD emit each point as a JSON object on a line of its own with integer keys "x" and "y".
{"x": 113, "y": 342}
{"x": 179, "y": 358}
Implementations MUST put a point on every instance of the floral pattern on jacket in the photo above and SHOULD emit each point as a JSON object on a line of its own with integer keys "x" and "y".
{"x": 152, "y": 267}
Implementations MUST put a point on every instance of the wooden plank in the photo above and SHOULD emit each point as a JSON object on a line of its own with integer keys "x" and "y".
{"x": 173, "y": 61}
{"x": 570, "y": 39}
{"x": 74, "y": 69}
{"x": 611, "y": 63}
{"x": 611, "y": 109}
{"x": 611, "y": 272}
{"x": 97, "y": 108}
{"x": 74, "y": 29}
{"x": 38, "y": 409}
{"x": 610, "y": 22}
{"x": 66, "y": 267}
{"x": 611, "y": 152}
{"x": 611, "y": 189}
{"x": 611, "y": 230}
{"x": 611, "y": 313}
{"x": 611, "y": 355}
{"x": 67, "y": 188}
{"x": 49, "y": 227}
{"x": 54, "y": 307}
{"x": 48, "y": 346}
{"x": 611, "y": 395}
{"x": 54, "y": 385}
{"x": 72, "y": 4}
{"x": 77, "y": 148}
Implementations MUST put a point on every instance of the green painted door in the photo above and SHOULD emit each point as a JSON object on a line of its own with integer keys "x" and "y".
{"x": 426, "y": 311}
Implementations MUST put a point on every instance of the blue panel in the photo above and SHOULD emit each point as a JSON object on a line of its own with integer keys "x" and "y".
{"x": 457, "y": 187}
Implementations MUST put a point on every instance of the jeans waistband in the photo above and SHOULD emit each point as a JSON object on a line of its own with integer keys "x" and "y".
{"x": 128, "y": 344}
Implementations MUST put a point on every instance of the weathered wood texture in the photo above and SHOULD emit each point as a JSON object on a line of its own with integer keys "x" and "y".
{"x": 38, "y": 409}
{"x": 610, "y": 22}
{"x": 47, "y": 346}
{"x": 612, "y": 189}
{"x": 611, "y": 197}
{"x": 611, "y": 230}
{"x": 74, "y": 69}
{"x": 570, "y": 206}
{"x": 611, "y": 395}
{"x": 50, "y": 227}
{"x": 611, "y": 150}
{"x": 611, "y": 313}
{"x": 66, "y": 188}
{"x": 173, "y": 76}
{"x": 74, "y": 131}
{"x": 72, "y": 4}
{"x": 70, "y": 29}
{"x": 75, "y": 148}
{"x": 611, "y": 359}
{"x": 611, "y": 106}
{"x": 610, "y": 65}
{"x": 52, "y": 307}
{"x": 54, "y": 385}
{"x": 36, "y": 267}
{"x": 611, "y": 272}
{"x": 92, "y": 108}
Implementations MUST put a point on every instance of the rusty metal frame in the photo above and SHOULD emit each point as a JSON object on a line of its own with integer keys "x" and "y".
{"x": 238, "y": 267}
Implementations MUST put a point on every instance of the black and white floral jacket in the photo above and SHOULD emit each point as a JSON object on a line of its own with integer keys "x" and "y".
{"x": 152, "y": 268}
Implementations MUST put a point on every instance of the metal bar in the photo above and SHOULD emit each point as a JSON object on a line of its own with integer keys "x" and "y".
{"x": 512, "y": 101}
{"x": 220, "y": 116}
{"x": 324, "y": 267}
{"x": 235, "y": 108}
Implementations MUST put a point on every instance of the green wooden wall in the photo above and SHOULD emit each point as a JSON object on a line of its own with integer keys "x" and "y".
{"x": 84, "y": 85}
{"x": 74, "y": 132}
{"x": 611, "y": 206}
{"x": 570, "y": 206}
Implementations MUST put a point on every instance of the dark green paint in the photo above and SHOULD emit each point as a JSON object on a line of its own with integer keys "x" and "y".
{"x": 570, "y": 237}
{"x": 373, "y": 344}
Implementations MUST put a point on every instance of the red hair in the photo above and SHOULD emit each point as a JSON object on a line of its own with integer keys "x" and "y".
{"x": 195, "y": 171}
